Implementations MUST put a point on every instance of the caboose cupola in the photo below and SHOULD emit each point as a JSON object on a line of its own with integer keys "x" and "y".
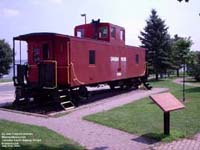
{"x": 101, "y": 31}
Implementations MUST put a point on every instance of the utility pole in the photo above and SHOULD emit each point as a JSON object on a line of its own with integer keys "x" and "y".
{"x": 84, "y": 15}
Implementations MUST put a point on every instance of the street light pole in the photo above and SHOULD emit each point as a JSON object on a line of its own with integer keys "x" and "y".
{"x": 84, "y": 15}
{"x": 183, "y": 79}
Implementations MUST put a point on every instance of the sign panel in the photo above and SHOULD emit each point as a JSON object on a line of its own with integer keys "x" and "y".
{"x": 167, "y": 102}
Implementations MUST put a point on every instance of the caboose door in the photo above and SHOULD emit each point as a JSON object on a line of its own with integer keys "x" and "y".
{"x": 62, "y": 56}
{"x": 47, "y": 67}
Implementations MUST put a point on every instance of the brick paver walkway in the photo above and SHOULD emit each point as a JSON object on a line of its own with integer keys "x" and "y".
{"x": 184, "y": 144}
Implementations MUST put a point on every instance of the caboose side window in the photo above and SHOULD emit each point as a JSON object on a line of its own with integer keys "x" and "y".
{"x": 36, "y": 55}
{"x": 113, "y": 32}
{"x": 103, "y": 32}
{"x": 122, "y": 35}
{"x": 91, "y": 57}
{"x": 137, "y": 59}
{"x": 45, "y": 50}
{"x": 80, "y": 33}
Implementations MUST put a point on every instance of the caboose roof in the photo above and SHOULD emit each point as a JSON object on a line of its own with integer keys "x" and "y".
{"x": 101, "y": 23}
{"x": 25, "y": 37}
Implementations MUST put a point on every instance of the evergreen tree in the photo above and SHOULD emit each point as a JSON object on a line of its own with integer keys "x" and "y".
{"x": 156, "y": 40}
{"x": 5, "y": 57}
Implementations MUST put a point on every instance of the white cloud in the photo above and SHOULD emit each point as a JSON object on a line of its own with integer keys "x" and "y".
{"x": 7, "y": 12}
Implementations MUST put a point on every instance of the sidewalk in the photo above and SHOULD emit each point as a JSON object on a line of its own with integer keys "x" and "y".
{"x": 180, "y": 81}
{"x": 184, "y": 144}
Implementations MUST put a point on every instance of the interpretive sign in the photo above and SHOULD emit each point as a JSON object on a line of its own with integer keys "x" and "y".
{"x": 167, "y": 102}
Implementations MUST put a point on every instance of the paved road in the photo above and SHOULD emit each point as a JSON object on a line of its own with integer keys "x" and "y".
{"x": 6, "y": 92}
{"x": 6, "y": 86}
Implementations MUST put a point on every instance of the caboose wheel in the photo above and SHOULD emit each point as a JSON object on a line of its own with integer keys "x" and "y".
{"x": 82, "y": 91}
{"x": 122, "y": 87}
{"x": 74, "y": 97}
{"x": 112, "y": 86}
{"x": 136, "y": 83}
{"x": 18, "y": 95}
{"x": 128, "y": 86}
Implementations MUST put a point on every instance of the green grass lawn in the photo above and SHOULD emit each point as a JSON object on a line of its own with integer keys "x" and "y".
{"x": 5, "y": 80}
{"x": 144, "y": 118}
{"x": 49, "y": 139}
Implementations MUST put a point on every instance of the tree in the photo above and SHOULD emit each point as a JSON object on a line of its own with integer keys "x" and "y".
{"x": 180, "y": 51}
{"x": 185, "y": 1}
{"x": 194, "y": 65}
{"x": 182, "y": 0}
{"x": 5, "y": 57}
{"x": 156, "y": 40}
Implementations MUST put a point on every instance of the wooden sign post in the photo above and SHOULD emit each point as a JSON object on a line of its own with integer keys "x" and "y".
{"x": 167, "y": 102}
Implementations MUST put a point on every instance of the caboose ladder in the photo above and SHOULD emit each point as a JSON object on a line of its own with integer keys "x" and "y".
{"x": 65, "y": 101}
{"x": 67, "y": 105}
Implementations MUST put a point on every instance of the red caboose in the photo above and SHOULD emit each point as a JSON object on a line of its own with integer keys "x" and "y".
{"x": 60, "y": 66}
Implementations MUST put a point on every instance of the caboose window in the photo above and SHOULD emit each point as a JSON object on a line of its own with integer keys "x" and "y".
{"x": 36, "y": 55}
{"x": 122, "y": 35}
{"x": 103, "y": 32}
{"x": 45, "y": 49}
{"x": 113, "y": 32}
{"x": 91, "y": 57}
{"x": 137, "y": 59}
{"x": 80, "y": 33}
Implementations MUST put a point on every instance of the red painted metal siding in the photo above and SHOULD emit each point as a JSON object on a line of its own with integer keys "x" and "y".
{"x": 81, "y": 71}
{"x": 112, "y": 62}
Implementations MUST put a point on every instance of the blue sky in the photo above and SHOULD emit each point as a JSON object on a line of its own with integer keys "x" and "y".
{"x": 26, "y": 16}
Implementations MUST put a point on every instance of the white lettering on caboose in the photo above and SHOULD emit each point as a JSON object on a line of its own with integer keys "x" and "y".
{"x": 123, "y": 59}
{"x": 113, "y": 58}
{"x": 119, "y": 74}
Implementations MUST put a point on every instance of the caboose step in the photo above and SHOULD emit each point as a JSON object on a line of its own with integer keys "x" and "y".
{"x": 63, "y": 96}
{"x": 67, "y": 105}
{"x": 60, "y": 90}
{"x": 149, "y": 87}
{"x": 146, "y": 85}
